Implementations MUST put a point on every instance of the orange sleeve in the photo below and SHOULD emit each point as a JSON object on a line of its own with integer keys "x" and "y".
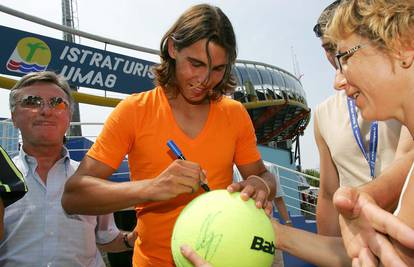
{"x": 117, "y": 135}
{"x": 246, "y": 147}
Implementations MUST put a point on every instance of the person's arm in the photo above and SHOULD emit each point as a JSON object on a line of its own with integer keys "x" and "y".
{"x": 386, "y": 188}
{"x": 326, "y": 214}
{"x": 258, "y": 184}
{"x": 281, "y": 207}
{"x": 88, "y": 192}
{"x": 313, "y": 248}
{"x": 124, "y": 241}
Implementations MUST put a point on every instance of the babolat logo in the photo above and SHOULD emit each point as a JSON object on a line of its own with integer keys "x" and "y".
{"x": 260, "y": 244}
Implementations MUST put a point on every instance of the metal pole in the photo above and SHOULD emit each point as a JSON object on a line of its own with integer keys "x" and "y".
{"x": 67, "y": 20}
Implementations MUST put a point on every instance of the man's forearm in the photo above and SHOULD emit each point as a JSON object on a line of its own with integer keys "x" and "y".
{"x": 94, "y": 196}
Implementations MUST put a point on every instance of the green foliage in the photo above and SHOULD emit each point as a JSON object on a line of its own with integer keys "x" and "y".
{"x": 314, "y": 173}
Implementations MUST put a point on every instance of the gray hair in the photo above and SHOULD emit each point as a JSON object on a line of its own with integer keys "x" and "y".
{"x": 43, "y": 76}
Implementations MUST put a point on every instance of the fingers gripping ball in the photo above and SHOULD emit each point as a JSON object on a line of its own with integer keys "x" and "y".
{"x": 224, "y": 230}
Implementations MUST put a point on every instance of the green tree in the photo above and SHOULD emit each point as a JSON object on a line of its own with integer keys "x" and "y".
{"x": 314, "y": 173}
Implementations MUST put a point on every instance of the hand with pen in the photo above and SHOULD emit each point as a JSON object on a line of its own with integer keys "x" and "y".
{"x": 177, "y": 152}
{"x": 180, "y": 177}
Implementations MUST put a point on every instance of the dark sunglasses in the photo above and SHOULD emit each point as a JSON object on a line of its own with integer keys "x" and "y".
{"x": 36, "y": 102}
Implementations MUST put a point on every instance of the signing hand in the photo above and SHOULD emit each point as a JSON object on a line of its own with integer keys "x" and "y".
{"x": 181, "y": 177}
{"x": 365, "y": 228}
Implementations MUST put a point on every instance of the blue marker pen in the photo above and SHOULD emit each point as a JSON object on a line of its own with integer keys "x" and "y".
{"x": 177, "y": 152}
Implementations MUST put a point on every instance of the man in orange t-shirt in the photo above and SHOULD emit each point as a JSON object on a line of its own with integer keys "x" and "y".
{"x": 189, "y": 107}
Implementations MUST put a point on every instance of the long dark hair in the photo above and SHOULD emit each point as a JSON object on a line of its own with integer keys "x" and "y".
{"x": 197, "y": 23}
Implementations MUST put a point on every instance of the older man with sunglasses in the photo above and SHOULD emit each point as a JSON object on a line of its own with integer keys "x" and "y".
{"x": 37, "y": 230}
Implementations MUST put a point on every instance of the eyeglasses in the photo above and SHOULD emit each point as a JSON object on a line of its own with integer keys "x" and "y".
{"x": 342, "y": 57}
{"x": 36, "y": 102}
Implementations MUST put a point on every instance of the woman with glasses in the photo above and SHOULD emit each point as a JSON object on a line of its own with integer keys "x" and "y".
{"x": 352, "y": 151}
{"x": 376, "y": 55}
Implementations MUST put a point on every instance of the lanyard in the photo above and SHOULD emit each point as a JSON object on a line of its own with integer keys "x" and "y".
{"x": 373, "y": 136}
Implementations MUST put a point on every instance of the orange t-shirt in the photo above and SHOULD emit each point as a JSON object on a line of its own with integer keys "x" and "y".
{"x": 140, "y": 127}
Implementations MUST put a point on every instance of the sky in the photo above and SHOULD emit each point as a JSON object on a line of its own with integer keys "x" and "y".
{"x": 267, "y": 31}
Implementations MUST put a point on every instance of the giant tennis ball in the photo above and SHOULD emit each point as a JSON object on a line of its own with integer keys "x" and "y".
{"x": 224, "y": 230}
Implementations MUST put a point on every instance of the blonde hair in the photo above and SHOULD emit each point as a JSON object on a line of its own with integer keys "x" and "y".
{"x": 387, "y": 24}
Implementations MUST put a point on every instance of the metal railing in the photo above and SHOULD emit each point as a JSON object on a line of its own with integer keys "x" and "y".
{"x": 307, "y": 198}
